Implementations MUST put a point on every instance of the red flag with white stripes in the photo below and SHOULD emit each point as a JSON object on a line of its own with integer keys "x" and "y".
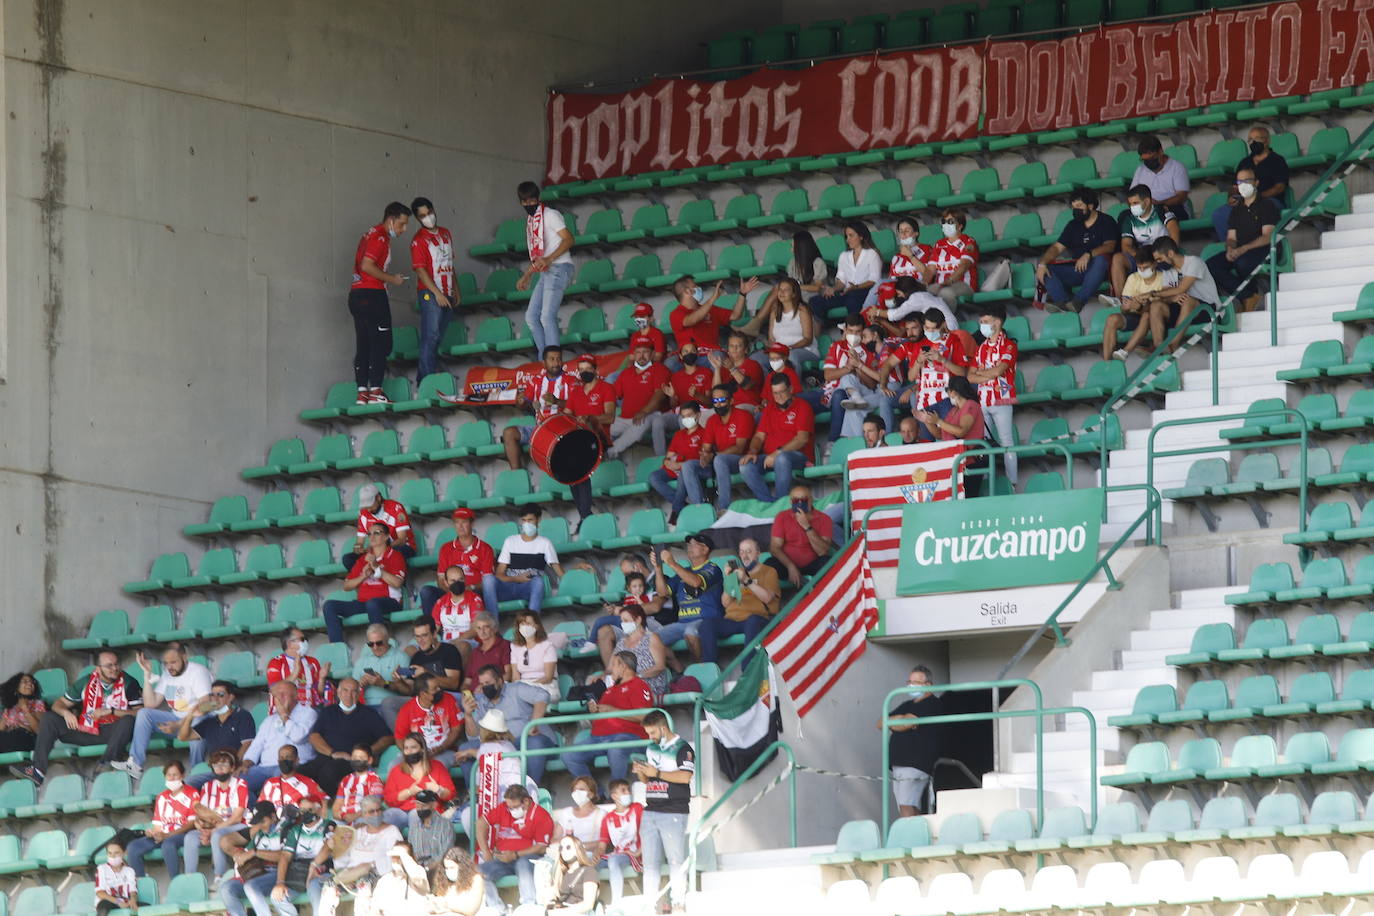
{"x": 894, "y": 477}
{"x": 827, "y": 630}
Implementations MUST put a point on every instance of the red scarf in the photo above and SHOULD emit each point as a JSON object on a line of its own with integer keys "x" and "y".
{"x": 534, "y": 233}
{"x": 488, "y": 783}
{"x": 93, "y": 698}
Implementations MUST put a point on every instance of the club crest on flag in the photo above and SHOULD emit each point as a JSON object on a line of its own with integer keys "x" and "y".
{"x": 919, "y": 490}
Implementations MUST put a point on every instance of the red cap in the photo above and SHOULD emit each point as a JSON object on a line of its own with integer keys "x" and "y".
{"x": 644, "y": 310}
{"x": 781, "y": 349}
{"x": 887, "y": 292}
{"x": 585, "y": 358}
{"x": 463, "y": 512}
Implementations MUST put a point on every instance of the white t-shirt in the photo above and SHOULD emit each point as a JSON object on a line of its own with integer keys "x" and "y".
{"x": 122, "y": 883}
{"x": 525, "y": 558}
{"x": 1204, "y": 288}
{"x": 868, "y": 269}
{"x": 540, "y": 654}
{"x": 587, "y": 829}
{"x": 186, "y": 688}
{"x": 922, "y": 301}
{"x": 1165, "y": 183}
{"x": 374, "y": 848}
{"x": 553, "y": 223}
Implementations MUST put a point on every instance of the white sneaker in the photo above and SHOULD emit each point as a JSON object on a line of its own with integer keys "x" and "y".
{"x": 1119, "y": 354}
{"x": 852, "y": 403}
{"x": 1109, "y": 301}
{"x": 127, "y": 766}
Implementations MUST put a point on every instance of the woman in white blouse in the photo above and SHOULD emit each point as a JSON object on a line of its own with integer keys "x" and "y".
{"x": 533, "y": 659}
{"x": 858, "y": 269}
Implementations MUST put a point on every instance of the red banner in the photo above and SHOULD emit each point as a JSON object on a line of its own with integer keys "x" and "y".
{"x": 1153, "y": 68}
{"x": 837, "y": 106}
{"x": 498, "y": 385}
{"x": 901, "y": 99}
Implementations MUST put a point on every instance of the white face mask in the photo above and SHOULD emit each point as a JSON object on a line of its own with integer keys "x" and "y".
{"x": 628, "y": 627}
{"x": 641, "y": 366}
{"x": 852, "y": 339}
{"x": 517, "y": 813}
{"x": 949, "y": 229}
{"x": 451, "y": 870}
{"x": 347, "y": 708}
{"x": 699, "y": 294}
{"x": 1146, "y": 272}
{"x": 222, "y": 711}
{"x": 569, "y": 854}
{"x": 777, "y": 364}
{"x": 689, "y": 422}
{"x": 528, "y": 630}
{"x": 1246, "y": 189}
{"x": 529, "y": 529}
{"x": 580, "y": 797}
{"x": 1137, "y": 210}
{"x": 173, "y": 785}
{"x": 303, "y": 648}
{"x": 623, "y": 800}
{"x": 115, "y": 861}
{"x": 985, "y": 329}
{"x": 907, "y": 241}
{"x": 934, "y": 336}
{"x": 428, "y": 221}
{"x": 391, "y": 232}
{"x": 641, "y": 323}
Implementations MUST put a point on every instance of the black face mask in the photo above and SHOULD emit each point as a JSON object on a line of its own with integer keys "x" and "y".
{"x": 457, "y": 588}
{"x": 723, "y": 410}
{"x": 423, "y": 815}
{"x": 1153, "y": 163}
{"x": 587, "y": 377}
{"x": 224, "y": 777}
{"x": 1256, "y": 148}
{"x": 309, "y": 818}
{"x": 361, "y": 766}
{"x": 531, "y": 209}
{"x": 491, "y": 691}
{"x": 287, "y": 767}
{"x": 689, "y": 359}
{"x": 414, "y": 758}
{"x": 1080, "y": 216}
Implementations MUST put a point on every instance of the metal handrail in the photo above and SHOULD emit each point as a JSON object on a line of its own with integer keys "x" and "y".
{"x": 1030, "y": 450}
{"x": 960, "y": 687}
{"x": 1357, "y": 153}
{"x": 525, "y": 751}
{"x": 1152, "y": 518}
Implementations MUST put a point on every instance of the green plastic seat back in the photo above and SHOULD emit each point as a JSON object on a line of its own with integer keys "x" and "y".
{"x": 1109, "y": 373}
{"x": 693, "y": 213}
{"x": 1322, "y": 354}
{"x": 334, "y": 448}
{"x": 980, "y": 230}
{"x": 647, "y": 522}
{"x": 263, "y": 558}
{"x": 510, "y": 484}
{"x": 1062, "y": 823}
{"x": 37, "y": 901}
{"x": 294, "y": 609}
{"x": 735, "y": 258}
{"x": 1123, "y": 165}
{"x": 1170, "y": 816}
{"x": 604, "y": 221}
{"x": 931, "y": 186}
{"x": 230, "y": 509}
{"x": 1318, "y": 629}
{"x": 961, "y": 829}
{"x": 63, "y": 790}
{"x": 1020, "y": 226}
{"x": 1077, "y": 171}
{"x": 599, "y": 527}
{"x": 1055, "y": 379}
{"x": 837, "y": 197}
{"x": 1266, "y": 411}
{"x": 1358, "y": 457}
{"x": 1011, "y": 826}
{"x": 287, "y": 451}
{"x": 1048, "y": 429}
{"x": 318, "y": 552}
{"x": 790, "y": 203}
{"x": 427, "y": 439}
{"x": 576, "y": 583}
{"x": 502, "y": 281}
{"x": 777, "y": 254}
{"x": 1205, "y": 696}
{"x": 157, "y": 618}
{"x": 473, "y": 435}
{"x": 511, "y": 232}
{"x": 1318, "y": 407}
{"x": 646, "y": 467}
{"x": 47, "y": 844}
{"x": 1325, "y": 573}
{"x": 109, "y": 786}
{"x": 1330, "y": 142}
{"x": 883, "y": 192}
{"x": 494, "y": 330}
{"x": 106, "y": 625}
{"x": 596, "y": 272}
{"x": 1334, "y": 808}
{"x": 1330, "y": 517}
{"x": 218, "y": 562}
{"x": 336, "y": 653}
{"x": 1209, "y": 472}
{"x": 1361, "y": 403}
{"x": 463, "y": 488}
{"x": 416, "y": 493}
{"x": 236, "y": 667}
{"x": 1282, "y": 809}
{"x": 1357, "y": 746}
{"x": 1153, "y": 699}
{"x": 696, "y": 517}
{"x": 1227, "y": 154}
{"x": 248, "y": 612}
{"x": 1116, "y": 819}
{"x": 1061, "y": 324}
{"x": 1223, "y": 813}
{"x": 15, "y": 793}
{"x": 1307, "y": 748}
{"x": 691, "y": 261}
{"x": 1028, "y": 176}
{"x": 587, "y": 321}
{"x": 909, "y": 833}
{"x": 857, "y": 836}
{"x": 93, "y": 839}
{"x": 1148, "y": 757}
{"x": 322, "y": 501}
{"x": 1184, "y": 153}
{"x": 1257, "y": 690}
{"x": 981, "y": 181}
{"x": 1312, "y": 687}
{"x": 746, "y": 206}
{"x": 52, "y": 682}
{"x": 1045, "y": 482}
{"x": 1266, "y": 633}
{"x": 496, "y": 535}
{"x": 1200, "y": 754}
{"x": 1258, "y": 467}
{"x": 186, "y": 889}
{"x": 609, "y": 474}
{"x": 381, "y": 443}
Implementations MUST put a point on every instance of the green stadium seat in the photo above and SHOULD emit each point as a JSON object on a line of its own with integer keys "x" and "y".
{"x": 1269, "y": 579}
{"x": 424, "y": 441}
{"x": 1058, "y": 328}
{"x": 594, "y": 530}
{"x": 1114, "y": 820}
{"x": 1016, "y": 234}
{"x": 1222, "y": 160}
{"x": 510, "y": 236}
{"x": 1319, "y": 467}
{"x": 1203, "y": 697}
{"x": 405, "y": 344}
{"x": 879, "y": 196}
{"x": 975, "y": 188}
{"x": 638, "y": 270}
{"x": 641, "y": 485}
{"x": 16, "y": 793}
{"x": 271, "y": 506}
{"x": 1331, "y": 812}
{"x": 1050, "y": 385}
{"x": 296, "y": 610}
{"x": 1309, "y": 691}
{"x": 33, "y": 901}
{"x": 225, "y": 512}
{"x": 578, "y": 586}
{"x": 691, "y": 261}
{"x": 1357, "y": 693}
{"x": 839, "y": 456}
{"x": 1208, "y": 640}
{"x": 500, "y": 284}
{"x": 1007, "y": 829}
{"x": 1049, "y": 429}
{"x": 52, "y": 683}
{"x": 599, "y": 226}
{"x": 148, "y": 624}
{"x": 105, "y": 625}
{"x": 240, "y": 668}
{"x": 1219, "y": 816}
{"x": 261, "y": 559}
{"x": 832, "y": 201}
{"x": 1327, "y": 145}
{"x": 1356, "y": 464}
{"x": 1045, "y": 482}
{"x": 1355, "y": 755}
{"x": 166, "y": 569}
{"x": 1259, "y": 416}
{"x": 854, "y": 837}
{"x": 1326, "y": 520}
{"x": 776, "y": 258}
{"x": 1319, "y": 356}
{"x": 1104, "y": 378}
{"x": 183, "y": 891}
{"x": 1143, "y": 761}
{"x": 1361, "y": 583}
{"x": 1150, "y": 702}
{"x": 1203, "y": 475}
{"x": 693, "y": 215}
{"x": 785, "y": 207}
{"x": 643, "y": 525}
{"x": 1025, "y": 179}
{"x": 1061, "y": 825}
{"x": 282, "y": 454}
{"x": 1317, "y": 577}
{"x": 1313, "y": 634}
{"x": 1253, "y": 695}
{"x": 432, "y": 385}
{"x": 151, "y": 783}
{"x": 924, "y": 196}
{"x": 1195, "y": 758}
{"x": 905, "y": 834}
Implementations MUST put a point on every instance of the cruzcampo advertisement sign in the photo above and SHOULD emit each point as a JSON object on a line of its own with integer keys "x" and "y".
{"x": 999, "y": 541}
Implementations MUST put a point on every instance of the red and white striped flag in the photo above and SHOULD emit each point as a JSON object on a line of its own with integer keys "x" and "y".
{"x": 894, "y": 477}
{"x": 827, "y": 630}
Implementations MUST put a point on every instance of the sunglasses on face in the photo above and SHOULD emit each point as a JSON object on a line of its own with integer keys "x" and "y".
{"x": 375, "y": 643}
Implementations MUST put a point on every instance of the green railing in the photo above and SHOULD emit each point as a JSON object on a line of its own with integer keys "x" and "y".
{"x": 695, "y": 838}
{"x": 1358, "y": 152}
{"x": 1301, "y": 440}
{"x": 525, "y": 751}
{"x": 1030, "y": 450}
{"x": 1151, "y": 518}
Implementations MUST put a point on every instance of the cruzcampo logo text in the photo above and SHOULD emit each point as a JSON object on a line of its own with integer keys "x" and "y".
{"x": 999, "y": 542}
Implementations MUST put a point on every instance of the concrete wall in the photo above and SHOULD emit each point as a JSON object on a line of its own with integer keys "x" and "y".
{"x": 185, "y": 185}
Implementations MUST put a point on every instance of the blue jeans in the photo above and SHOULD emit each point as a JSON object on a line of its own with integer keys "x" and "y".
{"x": 1221, "y": 218}
{"x": 257, "y": 775}
{"x": 661, "y": 833}
{"x": 579, "y": 762}
{"x": 335, "y": 611}
{"x": 547, "y": 296}
{"x": 495, "y": 590}
{"x": 145, "y": 725}
{"x": 672, "y": 632}
{"x": 434, "y": 321}
{"x": 523, "y": 868}
{"x": 724, "y": 466}
{"x": 1229, "y": 275}
{"x": 784, "y": 466}
{"x": 619, "y": 865}
{"x": 680, "y": 491}
{"x": 853, "y": 302}
{"x": 219, "y": 859}
{"x": 1063, "y": 277}
{"x": 256, "y": 892}
{"x": 188, "y": 844}
{"x": 693, "y": 476}
{"x": 714, "y": 628}
{"x": 941, "y": 409}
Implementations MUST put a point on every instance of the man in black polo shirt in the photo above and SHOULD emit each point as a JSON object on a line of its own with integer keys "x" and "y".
{"x": 913, "y": 749}
{"x": 1271, "y": 175}
{"x": 1249, "y": 228}
{"x": 215, "y": 723}
{"x": 1073, "y": 268}
{"x": 337, "y": 729}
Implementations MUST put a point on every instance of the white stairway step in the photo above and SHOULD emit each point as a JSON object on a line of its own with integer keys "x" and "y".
{"x": 1274, "y": 357}
{"x": 1179, "y": 436}
{"x": 1166, "y": 475}
{"x": 1236, "y": 388}
{"x": 1258, "y": 339}
{"x": 1124, "y": 680}
{"x": 1289, "y": 317}
{"x": 1349, "y": 222}
{"x": 1175, "y": 637}
{"x": 1203, "y": 597}
{"x": 1192, "y": 617}
{"x": 1135, "y": 458}
{"x": 1076, "y": 739}
{"x": 1343, "y": 296}
{"x": 1062, "y": 763}
{"x": 1241, "y": 395}
{"x": 1135, "y": 659}
{"x": 1325, "y": 257}
{"x": 1121, "y": 698}
{"x": 1362, "y": 203}
{"x": 1348, "y": 235}
{"x": 1322, "y": 279}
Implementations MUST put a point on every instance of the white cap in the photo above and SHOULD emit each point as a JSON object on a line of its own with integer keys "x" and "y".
{"x": 368, "y": 494}
{"x": 493, "y": 721}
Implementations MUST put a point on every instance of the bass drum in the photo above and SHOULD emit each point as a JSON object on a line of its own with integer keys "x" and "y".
{"x": 565, "y": 449}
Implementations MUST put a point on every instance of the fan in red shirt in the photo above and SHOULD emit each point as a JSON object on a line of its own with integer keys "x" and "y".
{"x": 173, "y": 827}
{"x": 373, "y": 507}
{"x": 644, "y": 331}
{"x": 467, "y": 550}
{"x": 431, "y": 257}
{"x": 685, "y": 449}
{"x": 693, "y": 381}
{"x": 852, "y": 370}
{"x": 305, "y": 671}
{"x": 456, "y": 611}
{"x": 911, "y": 257}
{"x": 784, "y": 442}
{"x": 949, "y": 353}
{"x": 628, "y": 691}
{"x": 642, "y": 401}
{"x": 417, "y": 772}
{"x": 369, "y": 305}
{"x": 994, "y": 372}
{"x": 735, "y": 369}
{"x": 357, "y": 785}
{"x": 434, "y": 716}
{"x": 290, "y": 787}
{"x": 725, "y": 440}
{"x": 510, "y": 839}
{"x": 592, "y": 399}
{"x": 952, "y": 270}
{"x": 697, "y": 317}
{"x": 377, "y": 577}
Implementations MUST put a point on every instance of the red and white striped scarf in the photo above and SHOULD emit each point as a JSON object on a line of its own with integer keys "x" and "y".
{"x": 534, "y": 233}
{"x": 488, "y": 783}
{"x": 93, "y": 698}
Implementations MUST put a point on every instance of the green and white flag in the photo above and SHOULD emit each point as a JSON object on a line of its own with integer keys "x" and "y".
{"x": 747, "y": 720}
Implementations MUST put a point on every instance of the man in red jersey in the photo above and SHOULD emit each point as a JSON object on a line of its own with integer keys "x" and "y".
{"x": 725, "y": 439}
{"x": 735, "y": 368}
{"x": 784, "y": 442}
{"x": 431, "y": 257}
{"x": 467, "y": 550}
{"x": 592, "y": 400}
{"x": 684, "y": 450}
{"x": 547, "y": 395}
{"x": 640, "y": 390}
{"x": 368, "y": 302}
{"x": 374, "y": 508}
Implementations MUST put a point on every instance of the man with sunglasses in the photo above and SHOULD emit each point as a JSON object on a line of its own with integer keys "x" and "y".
{"x": 725, "y": 440}
{"x": 216, "y": 723}
{"x": 375, "y": 670}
